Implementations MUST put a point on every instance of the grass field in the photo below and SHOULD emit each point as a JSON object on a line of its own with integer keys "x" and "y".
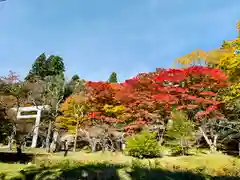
{"x": 110, "y": 165}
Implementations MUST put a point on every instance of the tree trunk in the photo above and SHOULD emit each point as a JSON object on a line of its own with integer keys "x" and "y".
{"x": 11, "y": 137}
{"x": 93, "y": 143}
{"x": 19, "y": 149}
{"x": 182, "y": 146}
{"x": 212, "y": 144}
{"x": 19, "y": 144}
{"x": 76, "y": 136}
{"x": 161, "y": 137}
{"x": 10, "y": 143}
{"x": 239, "y": 149}
{"x": 48, "y": 137}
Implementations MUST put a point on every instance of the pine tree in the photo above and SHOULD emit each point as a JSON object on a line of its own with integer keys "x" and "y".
{"x": 38, "y": 68}
{"x": 113, "y": 78}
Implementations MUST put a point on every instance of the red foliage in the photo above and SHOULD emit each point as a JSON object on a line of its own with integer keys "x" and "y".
{"x": 100, "y": 93}
{"x": 190, "y": 88}
{"x": 193, "y": 88}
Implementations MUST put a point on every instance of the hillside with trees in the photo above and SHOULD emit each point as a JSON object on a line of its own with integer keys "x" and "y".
{"x": 168, "y": 112}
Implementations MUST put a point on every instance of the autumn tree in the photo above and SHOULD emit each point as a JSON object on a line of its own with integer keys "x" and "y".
{"x": 6, "y": 102}
{"x": 127, "y": 105}
{"x": 101, "y": 100}
{"x": 100, "y": 93}
{"x": 195, "y": 58}
{"x": 193, "y": 90}
{"x": 136, "y": 96}
{"x": 17, "y": 92}
{"x": 224, "y": 58}
{"x": 238, "y": 28}
{"x": 74, "y": 110}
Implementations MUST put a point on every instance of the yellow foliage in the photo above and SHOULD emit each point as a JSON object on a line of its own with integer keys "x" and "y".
{"x": 226, "y": 58}
{"x": 74, "y": 110}
{"x": 233, "y": 93}
{"x": 238, "y": 28}
{"x": 113, "y": 110}
{"x": 194, "y": 58}
{"x": 223, "y": 58}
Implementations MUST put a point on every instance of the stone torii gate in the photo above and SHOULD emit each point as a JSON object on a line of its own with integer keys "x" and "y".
{"x": 37, "y": 118}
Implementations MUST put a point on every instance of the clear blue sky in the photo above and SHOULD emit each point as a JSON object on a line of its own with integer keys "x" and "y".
{"x": 96, "y": 37}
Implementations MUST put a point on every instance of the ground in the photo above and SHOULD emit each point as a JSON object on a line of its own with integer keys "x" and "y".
{"x": 118, "y": 166}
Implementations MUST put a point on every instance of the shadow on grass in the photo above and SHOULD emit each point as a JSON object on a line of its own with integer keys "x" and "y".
{"x": 148, "y": 174}
{"x": 109, "y": 172}
{"x": 13, "y": 157}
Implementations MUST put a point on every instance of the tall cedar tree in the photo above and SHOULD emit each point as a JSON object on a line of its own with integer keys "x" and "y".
{"x": 113, "y": 78}
{"x": 55, "y": 66}
{"x": 43, "y": 66}
{"x": 38, "y": 68}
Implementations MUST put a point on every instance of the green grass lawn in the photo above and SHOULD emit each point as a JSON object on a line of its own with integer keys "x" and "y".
{"x": 116, "y": 165}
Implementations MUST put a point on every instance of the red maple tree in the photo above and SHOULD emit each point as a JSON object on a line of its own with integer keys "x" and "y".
{"x": 100, "y": 94}
{"x": 191, "y": 88}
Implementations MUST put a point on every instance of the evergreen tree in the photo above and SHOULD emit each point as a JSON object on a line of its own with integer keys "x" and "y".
{"x": 44, "y": 66}
{"x": 113, "y": 78}
{"x": 75, "y": 77}
{"x": 38, "y": 68}
{"x": 54, "y": 65}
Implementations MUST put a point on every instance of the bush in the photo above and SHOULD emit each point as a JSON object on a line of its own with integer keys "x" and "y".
{"x": 143, "y": 145}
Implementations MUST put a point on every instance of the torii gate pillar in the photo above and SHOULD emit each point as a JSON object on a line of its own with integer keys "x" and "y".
{"x": 37, "y": 118}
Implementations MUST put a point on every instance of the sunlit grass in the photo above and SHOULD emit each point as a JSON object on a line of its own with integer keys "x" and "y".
{"x": 216, "y": 164}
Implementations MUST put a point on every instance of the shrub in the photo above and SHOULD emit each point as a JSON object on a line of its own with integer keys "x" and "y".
{"x": 179, "y": 133}
{"x": 143, "y": 145}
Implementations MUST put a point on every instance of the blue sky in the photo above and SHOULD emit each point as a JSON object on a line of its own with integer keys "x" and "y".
{"x": 96, "y": 37}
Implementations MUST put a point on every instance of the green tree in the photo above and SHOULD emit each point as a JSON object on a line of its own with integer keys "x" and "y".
{"x": 55, "y": 66}
{"x": 53, "y": 95}
{"x": 75, "y": 77}
{"x": 38, "y": 68}
{"x": 180, "y": 130}
{"x": 43, "y": 67}
{"x": 143, "y": 145}
{"x": 113, "y": 78}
